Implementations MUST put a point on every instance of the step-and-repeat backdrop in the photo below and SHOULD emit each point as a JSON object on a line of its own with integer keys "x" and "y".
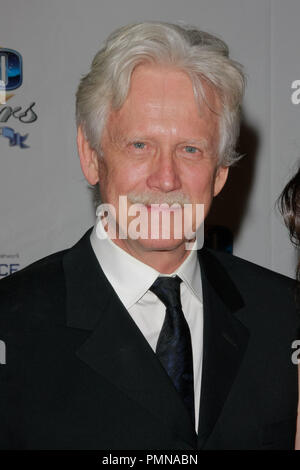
{"x": 46, "y": 46}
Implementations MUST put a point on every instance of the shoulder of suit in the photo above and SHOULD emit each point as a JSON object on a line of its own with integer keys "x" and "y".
{"x": 255, "y": 282}
{"x": 35, "y": 291}
{"x": 42, "y": 269}
{"x": 267, "y": 294}
{"x": 237, "y": 266}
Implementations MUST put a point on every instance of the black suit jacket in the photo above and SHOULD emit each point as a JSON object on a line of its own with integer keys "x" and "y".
{"x": 79, "y": 374}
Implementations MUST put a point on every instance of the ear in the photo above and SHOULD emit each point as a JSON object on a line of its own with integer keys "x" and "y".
{"x": 220, "y": 179}
{"x": 88, "y": 158}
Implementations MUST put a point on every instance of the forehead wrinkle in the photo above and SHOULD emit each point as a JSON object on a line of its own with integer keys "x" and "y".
{"x": 120, "y": 131}
{"x": 165, "y": 118}
{"x": 162, "y": 110}
{"x": 172, "y": 89}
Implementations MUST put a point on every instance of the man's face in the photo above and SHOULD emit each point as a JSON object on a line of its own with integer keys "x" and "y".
{"x": 160, "y": 146}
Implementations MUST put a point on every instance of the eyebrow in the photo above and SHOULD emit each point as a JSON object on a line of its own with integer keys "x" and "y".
{"x": 120, "y": 138}
{"x": 124, "y": 138}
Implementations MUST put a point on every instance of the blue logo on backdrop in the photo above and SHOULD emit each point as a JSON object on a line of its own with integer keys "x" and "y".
{"x": 8, "y": 266}
{"x": 10, "y": 68}
{"x": 11, "y": 78}
{"x": 7, "y": 269}
{"x": 14, "y": 137}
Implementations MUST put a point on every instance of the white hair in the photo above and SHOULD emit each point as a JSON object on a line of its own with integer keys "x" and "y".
{"x": 204, "y": 57}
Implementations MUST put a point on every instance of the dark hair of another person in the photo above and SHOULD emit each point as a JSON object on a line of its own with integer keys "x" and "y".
{"x": 289, "y": 206}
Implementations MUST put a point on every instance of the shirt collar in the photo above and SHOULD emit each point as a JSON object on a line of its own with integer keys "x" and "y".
{"x": 130, "y": 277}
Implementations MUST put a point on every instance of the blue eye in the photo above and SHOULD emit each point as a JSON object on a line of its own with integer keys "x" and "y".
{"x": 191, "y": 149}
{"x": 139, "y": 145}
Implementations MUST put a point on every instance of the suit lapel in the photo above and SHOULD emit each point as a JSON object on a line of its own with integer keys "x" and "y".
{"x": 224, "y": 341}
{"x": 118, "y": 351}
{"x": 116, "y": 348}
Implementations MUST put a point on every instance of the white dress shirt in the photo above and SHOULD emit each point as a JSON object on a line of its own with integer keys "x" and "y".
{"x": 131, "y": 280}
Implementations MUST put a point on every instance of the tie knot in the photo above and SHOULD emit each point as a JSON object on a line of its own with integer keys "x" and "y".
{"x": 167, "y": 290}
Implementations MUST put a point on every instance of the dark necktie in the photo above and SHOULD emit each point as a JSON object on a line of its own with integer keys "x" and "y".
{"x": 174, "y": 346}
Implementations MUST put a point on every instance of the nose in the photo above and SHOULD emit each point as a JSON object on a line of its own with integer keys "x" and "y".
{"x": 164, "y": 175}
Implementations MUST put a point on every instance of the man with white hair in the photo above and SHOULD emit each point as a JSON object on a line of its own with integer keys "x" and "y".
{"x": 132, "y": 339}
